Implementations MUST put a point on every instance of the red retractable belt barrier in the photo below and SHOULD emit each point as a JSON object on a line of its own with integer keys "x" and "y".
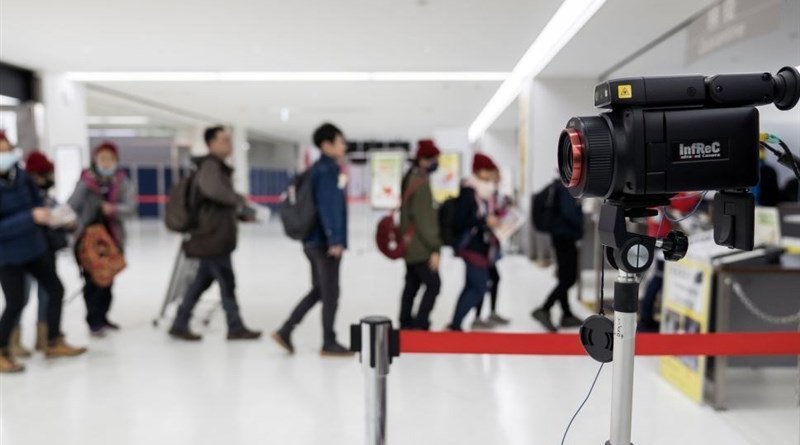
{"x": 750, "y": 343}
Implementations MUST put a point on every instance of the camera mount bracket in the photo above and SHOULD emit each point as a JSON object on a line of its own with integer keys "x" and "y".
{"x": 632, "y": 254}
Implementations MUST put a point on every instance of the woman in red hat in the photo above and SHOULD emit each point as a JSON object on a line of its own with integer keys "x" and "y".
{"x": 104, "y": 194}
{"x": 477, "y": 244}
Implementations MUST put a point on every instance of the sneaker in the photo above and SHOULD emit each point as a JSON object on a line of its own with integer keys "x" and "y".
{"x": 284, "y": 340}
{"x": 480, "y": 325}
{"x": 498, "y": 320}
{"x": 98, "y": 331}
{"x": 8, "y": 365}
{"x": 571, "y": 321}
{"x": 336, "y": 350}
{"x": 60, "y": 348}
{"x": 543, "y": 317}
{"x": 244, "y": 334}
{"x": 184, "y": 334}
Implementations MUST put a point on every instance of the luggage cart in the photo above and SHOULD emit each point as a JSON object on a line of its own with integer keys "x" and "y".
{"x": 183, "y": 272}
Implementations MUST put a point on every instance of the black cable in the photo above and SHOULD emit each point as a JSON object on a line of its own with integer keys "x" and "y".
{"x": 790, "y": 158}
{"x": 564, "y": 438}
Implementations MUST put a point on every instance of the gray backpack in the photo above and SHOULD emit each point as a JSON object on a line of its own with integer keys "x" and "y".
{"x": 298, "y": 211}
{"x": 180, "y": 213}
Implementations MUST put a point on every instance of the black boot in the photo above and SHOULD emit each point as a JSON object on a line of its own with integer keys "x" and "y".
{"x": 242, "y": 333}
{"x": 543, "y": 317}
{"x": 334, "y": 349}
{"x": 283, "y": 337}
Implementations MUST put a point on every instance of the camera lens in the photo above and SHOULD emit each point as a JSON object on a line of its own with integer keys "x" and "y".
{"x": 570, "y": 154}
{"x": 585, "y": 153}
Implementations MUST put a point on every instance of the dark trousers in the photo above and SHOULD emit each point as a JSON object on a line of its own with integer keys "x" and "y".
{"x": 98, "y": 303}
{"x": 567, "y": 261}
{"x": 210, "y": 269}
{"x": 12, "y": 279}
{"x": 647, "y": 309}
{"x": 494, "y": 284}
{"x": 475, "y": 284}
{"x": 417, "y": 275}
{"x": 324, "y": 288}
{"x": 41, "y": 310}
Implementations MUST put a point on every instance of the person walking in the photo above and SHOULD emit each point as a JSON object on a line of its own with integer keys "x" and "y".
{"x": 103, "y": 195}
{"x": 24, "y": 251}
{"x": 214, "y": 238}
{"x": 326, "y": 244}
{"x": 41, "y": 172}
{"x": 567, "y": 230}
{"x": 477, "y": 246}
{"x": 419, "y": 218}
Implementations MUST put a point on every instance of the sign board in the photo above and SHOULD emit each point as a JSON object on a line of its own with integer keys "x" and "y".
{"x": 446, "y": 181}
{"x": 767, "y": 229}
{"x": 686, "y": 297}
{"x": 386, "y": 168}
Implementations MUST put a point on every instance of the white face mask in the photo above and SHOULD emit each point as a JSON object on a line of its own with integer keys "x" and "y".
{"x": 484, "y": 189}
{"x": 8, "y": 159}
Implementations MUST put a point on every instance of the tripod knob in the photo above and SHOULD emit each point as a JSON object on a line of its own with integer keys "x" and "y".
{"x": 675, "y": 245}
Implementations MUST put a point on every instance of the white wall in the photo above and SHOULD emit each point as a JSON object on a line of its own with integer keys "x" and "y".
{"x": 454, "y": 139}
{"x": 552, "y": 103}
{"x": 66, "y": 134}
{"x": 501, "y": 145}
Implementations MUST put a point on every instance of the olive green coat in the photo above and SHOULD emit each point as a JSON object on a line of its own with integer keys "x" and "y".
{"x": 418, "y": 211}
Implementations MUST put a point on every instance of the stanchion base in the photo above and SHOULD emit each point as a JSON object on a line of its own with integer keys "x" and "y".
{"x": 608, "y": 442}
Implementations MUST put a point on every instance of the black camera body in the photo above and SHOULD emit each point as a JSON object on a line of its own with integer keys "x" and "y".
{"x": 666, "y": 135}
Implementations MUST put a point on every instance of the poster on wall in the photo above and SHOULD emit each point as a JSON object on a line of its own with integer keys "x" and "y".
{"x": 767, "y": 227}
{"x": 446, "y": 181}
{"x": 387, "y": 177}
{"x": 686, "y": 297}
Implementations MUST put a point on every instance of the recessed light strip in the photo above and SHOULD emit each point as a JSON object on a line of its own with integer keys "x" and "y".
{"x": 280, "y": 76}
{"x": 565, "y": 23}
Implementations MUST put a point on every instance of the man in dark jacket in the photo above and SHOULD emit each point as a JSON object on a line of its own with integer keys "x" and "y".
{"x": 23, "y": 251}
{"x": 567, "y": 230}
{"x": 213, "y": 240}
{"x": 326, "y": 243}
{"x": 419, "y": 219}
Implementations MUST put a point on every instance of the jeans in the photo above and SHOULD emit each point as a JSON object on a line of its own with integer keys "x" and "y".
{"x": 12, "y": 280}
{"x": 41, "y": 310}
{"x": 98, "y": 303}
{"x": 494, "y": 284}
{"x": 419, "y": 274}
{"x": 647, "y": 308}
{"x": 567, "y": 261}
{"x": 210, "y": 269}
{"x": 475, "y": 284}
{"x": 324, "y": 288}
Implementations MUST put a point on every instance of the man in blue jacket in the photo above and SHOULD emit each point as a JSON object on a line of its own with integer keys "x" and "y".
{"x": 23, "y": 251}
{"x": 567, "y": 230}
{"x": 326, "y": 243}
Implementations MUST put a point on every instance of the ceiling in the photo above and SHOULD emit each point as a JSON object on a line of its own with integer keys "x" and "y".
{"x": 296, "y": 35}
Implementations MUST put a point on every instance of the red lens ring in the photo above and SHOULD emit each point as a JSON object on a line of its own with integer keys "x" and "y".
{"x": 576, "y": 141}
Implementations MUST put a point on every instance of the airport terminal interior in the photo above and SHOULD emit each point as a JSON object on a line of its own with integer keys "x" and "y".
{"x": 400, "y": 222}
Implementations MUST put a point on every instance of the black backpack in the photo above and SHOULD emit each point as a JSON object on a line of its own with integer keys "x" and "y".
{"x": 180, "y": 213}
{"x": 545, "y": 208}
{"x": 298, "y": 211}
{"x": 448, "y": 222}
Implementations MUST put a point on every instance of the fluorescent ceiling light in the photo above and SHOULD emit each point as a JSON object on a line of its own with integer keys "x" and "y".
{"x": 279, "y": 76}
{"x": 8, "y": 100}
{"x": 565, "y": 23}
{"x": 117, "y": 120}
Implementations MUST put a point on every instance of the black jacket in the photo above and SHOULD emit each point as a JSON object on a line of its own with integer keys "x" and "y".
{"x": 216, "y": 232}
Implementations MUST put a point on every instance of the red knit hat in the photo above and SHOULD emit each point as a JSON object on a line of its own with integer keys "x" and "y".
{"x": 106, "y": 145}
{"x": 427, "y": 149}
{"x": 37, "y": 162}
{"x": 482, "y": 162}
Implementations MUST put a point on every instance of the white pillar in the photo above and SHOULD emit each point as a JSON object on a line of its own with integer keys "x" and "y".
{"x": 241, "y": 164}
{"x": 552, "y": 103}
{"x": 66, "y": 133}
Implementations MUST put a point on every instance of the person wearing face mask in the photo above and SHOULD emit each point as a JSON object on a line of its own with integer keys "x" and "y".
{"x": 104, "y": 195}
{"x": 419, "y": 218}
{"x": 478, "y": 245}
{"x": 24, "y": 251}
{"x": 41, "y": 172}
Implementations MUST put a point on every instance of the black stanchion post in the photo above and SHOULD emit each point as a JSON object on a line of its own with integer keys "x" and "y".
{"x": 377, "y": 343}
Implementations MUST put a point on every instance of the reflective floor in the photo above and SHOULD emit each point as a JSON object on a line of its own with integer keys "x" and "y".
{"x": 140, "y": 387}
